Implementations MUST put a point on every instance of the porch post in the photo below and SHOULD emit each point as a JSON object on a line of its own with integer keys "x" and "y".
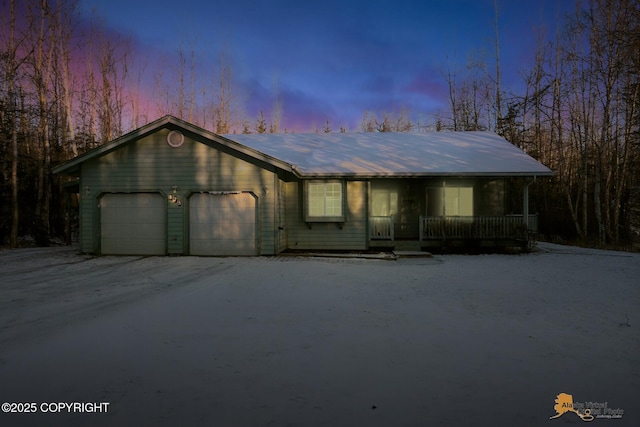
{"x": 67, "y": 217}
{"x": 525, "y": 201}
{"x": 525, "y": 204}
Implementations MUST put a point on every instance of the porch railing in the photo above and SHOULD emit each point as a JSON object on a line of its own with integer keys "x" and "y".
{"x": 381, "y": 228}
{"x": 476, "y": 227}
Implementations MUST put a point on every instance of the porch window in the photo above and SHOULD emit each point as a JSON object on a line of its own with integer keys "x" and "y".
{"x": 449, "y": 201}
{"x": 458, "y": 201}
{"x": 325, "y": 201}
{"x": 384, "y": 202}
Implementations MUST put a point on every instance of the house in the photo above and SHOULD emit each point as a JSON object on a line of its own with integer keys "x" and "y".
{"x": 173, "y": 188}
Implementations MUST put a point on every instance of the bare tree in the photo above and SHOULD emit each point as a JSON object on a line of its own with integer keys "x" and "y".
{"x": 182, "y": 61}
{"x": 223, "y": 107}
{"x": 578, "y": 114}
{"x": 138, "y": 112}
{"x": 369, "y": 122}
{"x": 43, "y": 17}
{"x": 453, "y": 99}
{"x": 192, "y": 86}
{"x": 470, "y": 96}
{"x": 8, "y": 114}
{"x": 276, "y": 115}
{"x": 64, "y": 78}
{"x": 390, "y": 122}
{"x": 498, "y": 88}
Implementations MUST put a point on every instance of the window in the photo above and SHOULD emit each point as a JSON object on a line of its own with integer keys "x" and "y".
{"x": 325, "y": 201}
{"x": 449, "y": 201}
{"x": 384, "y": 202}
{"x": 458, "y": 201}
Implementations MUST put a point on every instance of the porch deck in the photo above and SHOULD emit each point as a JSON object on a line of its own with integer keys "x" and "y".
{"x": 494, "y": 231}
{"x": 439, "y": 231}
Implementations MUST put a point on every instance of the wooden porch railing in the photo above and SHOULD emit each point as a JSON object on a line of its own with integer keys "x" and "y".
{"x": 381, "y": 228}
{"x": 476, "y": 227}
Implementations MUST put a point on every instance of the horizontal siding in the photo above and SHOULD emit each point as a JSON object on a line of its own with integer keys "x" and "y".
{"x": 281, "y": 225}
{"x": 151, "y": 165}
{"x": 175, "y": 229}
{"x": 87, "y": 211}
{"x": 328, "y": 236}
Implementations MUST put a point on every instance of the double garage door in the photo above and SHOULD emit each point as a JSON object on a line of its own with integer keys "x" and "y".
{"x": 219, "y": 224}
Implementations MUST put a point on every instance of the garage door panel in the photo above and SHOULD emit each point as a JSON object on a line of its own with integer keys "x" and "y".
{"x": 133, "y": 224}
{"x": 144, "y": 231}
{"x": 227, "y": 232}
{"x": 222, "y": 224}
{"x": 229, "y": 248}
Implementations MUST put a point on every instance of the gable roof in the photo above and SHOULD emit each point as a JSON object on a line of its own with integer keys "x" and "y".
{"x": 71, "y": 167}
{"x": 355, "y": 154}
{"x": 397, "y": 154}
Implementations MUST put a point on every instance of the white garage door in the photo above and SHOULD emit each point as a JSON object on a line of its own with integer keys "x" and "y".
{"x": 222, "y": 224}
{"x": 133, "y": 224}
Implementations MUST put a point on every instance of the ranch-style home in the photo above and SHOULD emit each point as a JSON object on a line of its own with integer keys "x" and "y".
{"x": 173, "y": 188}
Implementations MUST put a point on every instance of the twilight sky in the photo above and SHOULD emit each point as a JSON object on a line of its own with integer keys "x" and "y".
{"x": 334, "y": 59}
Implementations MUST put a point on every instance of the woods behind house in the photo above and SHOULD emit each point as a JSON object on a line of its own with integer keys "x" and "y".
{"x": 67, "y": 87}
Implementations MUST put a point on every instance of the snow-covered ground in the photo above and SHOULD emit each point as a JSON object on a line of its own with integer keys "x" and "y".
{"x": 289, "y": 341}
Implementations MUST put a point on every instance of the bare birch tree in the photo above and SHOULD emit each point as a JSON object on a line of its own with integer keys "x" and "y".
{"x": 224, "y": 104}
{"x": 578, "y": 112}
{"x": 65, "y": 79}
{"x": 8, "y": 114}
{"x": 40, "y": 71}
{"x": 498, "y": 87}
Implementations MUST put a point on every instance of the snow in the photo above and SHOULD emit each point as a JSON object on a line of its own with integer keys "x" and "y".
{"x": 449, "y": 340}
{"x": 389, "y": 153}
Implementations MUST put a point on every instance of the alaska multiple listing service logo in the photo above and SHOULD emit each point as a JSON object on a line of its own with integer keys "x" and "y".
{"x": 587, "y": 411}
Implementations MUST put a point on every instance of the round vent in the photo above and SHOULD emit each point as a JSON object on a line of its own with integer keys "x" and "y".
{"x": 175, "y": 138}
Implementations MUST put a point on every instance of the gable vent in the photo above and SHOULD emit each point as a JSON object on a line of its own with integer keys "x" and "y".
{"x": 175, "y": 138}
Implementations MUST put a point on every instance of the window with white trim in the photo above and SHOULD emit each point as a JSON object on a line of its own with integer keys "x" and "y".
{"x": 458, "y": 201}
{"x": 325, "y": 201}
{"x": 449, "y": 201}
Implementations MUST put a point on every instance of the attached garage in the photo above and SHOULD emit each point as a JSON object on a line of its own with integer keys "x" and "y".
{"x": 133, "y": 224}
{"x": 223, "y": 224}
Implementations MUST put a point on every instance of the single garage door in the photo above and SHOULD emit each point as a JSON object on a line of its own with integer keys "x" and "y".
{"x": 133, "y": 224}
{"x": 222, "y": 224}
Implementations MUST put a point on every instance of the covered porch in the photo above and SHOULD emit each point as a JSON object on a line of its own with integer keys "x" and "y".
{"x": 450, "y": 212}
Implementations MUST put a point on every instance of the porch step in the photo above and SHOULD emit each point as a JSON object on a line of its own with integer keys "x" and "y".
{"x": 407, "y": 245}
{"x": 409, "y": 249}
{"x": 411, "y": 254}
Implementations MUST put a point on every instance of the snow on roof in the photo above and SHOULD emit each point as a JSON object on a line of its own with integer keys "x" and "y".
{"x": 388, "y": 153}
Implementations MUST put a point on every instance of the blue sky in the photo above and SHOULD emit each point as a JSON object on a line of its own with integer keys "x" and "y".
{"x": 335, "y": 59}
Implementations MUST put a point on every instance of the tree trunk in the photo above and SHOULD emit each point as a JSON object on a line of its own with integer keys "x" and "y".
{"x": 597, "y": 203}
{"x": 12, "y": 65}
{"x": 572, "y": 211}
{"x": 15, "y": 212}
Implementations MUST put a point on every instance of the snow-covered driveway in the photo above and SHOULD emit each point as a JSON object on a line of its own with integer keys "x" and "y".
{"x": 451, "y": 340}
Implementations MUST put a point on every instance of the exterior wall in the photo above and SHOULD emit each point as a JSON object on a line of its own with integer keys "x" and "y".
{"x": 86, "y": 212}
{"x": 490, "y": 197}
{"x": 281, "y": 226}
{"x": 151, "y": 165}
{"x": 351, "y": 235}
